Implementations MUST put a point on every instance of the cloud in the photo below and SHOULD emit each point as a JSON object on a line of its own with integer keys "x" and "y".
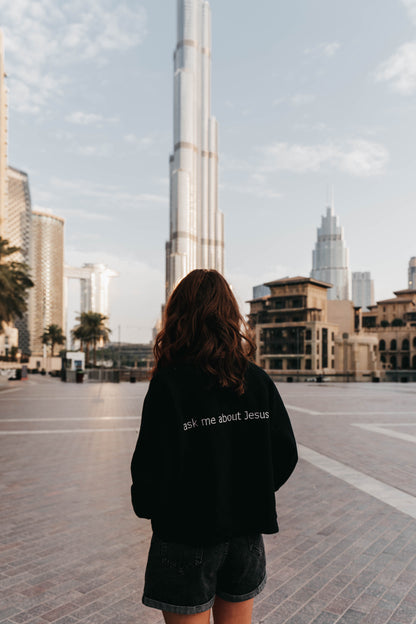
{"x": 85, "y": 214}
{"x": 359, "y": 158}
{"x": 411, "y": 8}
{"x": 298, "y": 99}
{"x": 400, "y": 69}
{"x": 85, "y": 119}
{"x": 92, "y": 150}
{"x": 327, "y": 49}
{"x": 139, "y": 142}
{"x": 109, "y": 194}
{"x": 262, "y": 191}
{"x": 44, "y": 38}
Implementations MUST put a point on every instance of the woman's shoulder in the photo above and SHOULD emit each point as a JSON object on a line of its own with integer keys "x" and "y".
{"x": 176, "y": 373}
{"x": 255, "y": 372}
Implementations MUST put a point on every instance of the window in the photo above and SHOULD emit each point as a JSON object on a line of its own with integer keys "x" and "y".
{"x": 317, "y": 334}
{"x": 405, "y": 345}
{"x": 382, "y": 345}
{"x": 324, "y": 347}
{"x": 332, "y": 336}
{"x": 317, "y": 349}
{"x": 308, "y": 335}
{"x": 393, "y": 362}
{"x": 393, "y": 345}
{"x": 405, "y": 362}
{"x": 308, "y": 364}
{"x": 317, "y": 363}
{"x": 332, "y": 350}
{"x": 308, "y": 349}
{"x": 332, "y": 363}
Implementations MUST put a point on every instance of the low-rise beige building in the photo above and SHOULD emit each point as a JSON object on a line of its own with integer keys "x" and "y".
{"x": 393, "y": 323}
{"x": 300, "y": 334}
{"x": 292, "y": 331}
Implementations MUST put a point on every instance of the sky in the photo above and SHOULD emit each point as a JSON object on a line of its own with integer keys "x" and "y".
{"x": 309, "y": 95}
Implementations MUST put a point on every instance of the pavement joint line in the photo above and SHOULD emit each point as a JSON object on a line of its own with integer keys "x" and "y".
{"x": 86, "y": 419}
{"x": 69, "y": 398}
{"x": 48, "y": 431}
{"x": 331, "y": 413}
{"x": 302, "y": 409}
{"x": 383, "y": 429}
{"x": 10, "y": 390}
{"x": 385, "y": 493}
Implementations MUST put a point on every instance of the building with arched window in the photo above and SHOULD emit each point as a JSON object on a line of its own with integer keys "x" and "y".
{"x": 300, "y": 334}
{"x": 393, "y": 321}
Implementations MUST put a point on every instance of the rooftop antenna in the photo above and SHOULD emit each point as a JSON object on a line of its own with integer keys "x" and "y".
{"x": 330, "y": 198}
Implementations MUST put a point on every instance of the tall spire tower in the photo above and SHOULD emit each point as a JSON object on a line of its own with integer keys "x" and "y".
{"x": 3, "y": 140}
{"x": 196, "y": 238}
{"x": 330, "y": 258}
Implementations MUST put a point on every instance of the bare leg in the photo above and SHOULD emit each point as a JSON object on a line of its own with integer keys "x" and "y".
{"x": 232, "y": 612}
{"x": 177, "y": 618}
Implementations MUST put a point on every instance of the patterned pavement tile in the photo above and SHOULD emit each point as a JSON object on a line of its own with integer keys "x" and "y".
{"x": 72, "y": 551}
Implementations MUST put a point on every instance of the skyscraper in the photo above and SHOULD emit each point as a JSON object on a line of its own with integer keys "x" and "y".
{"x": 95, "y": 282}
{"x": 3, "y": 139}
{"x": 412, "y": 273}
{"x": 362, "y": 289}
{"x": 48, "y": 275}
{"x": 196, "y": 237}
{"x": 330, "y": 262}
{"x": 18, "y": 231}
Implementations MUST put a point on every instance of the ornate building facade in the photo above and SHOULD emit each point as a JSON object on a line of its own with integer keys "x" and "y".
{"x": 300, "y": 335}
{"x": 393, "y": 322}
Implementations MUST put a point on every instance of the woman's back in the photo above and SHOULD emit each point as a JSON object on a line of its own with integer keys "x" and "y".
{"x": 217, "y": 457}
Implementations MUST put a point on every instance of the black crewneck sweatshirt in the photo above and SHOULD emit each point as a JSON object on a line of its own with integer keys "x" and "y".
{"x": 208, "y": 461}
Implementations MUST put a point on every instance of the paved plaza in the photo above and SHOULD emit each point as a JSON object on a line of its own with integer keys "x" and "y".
{"x": 71, "y": 549}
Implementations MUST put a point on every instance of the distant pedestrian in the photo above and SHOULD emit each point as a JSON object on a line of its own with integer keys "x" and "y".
{"x": 215, "y": 444}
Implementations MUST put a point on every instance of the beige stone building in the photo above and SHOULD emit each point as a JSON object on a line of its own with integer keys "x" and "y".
{"x": 355, "y": 350}
{"x": 393, "y": 323}
{"x": 48, "y": 275}
{"x": 292, "y": 331}
{"x": 301, "y": 335}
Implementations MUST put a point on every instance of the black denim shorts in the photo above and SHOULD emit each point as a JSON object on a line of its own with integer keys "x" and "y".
{"x": 185, "y": 579}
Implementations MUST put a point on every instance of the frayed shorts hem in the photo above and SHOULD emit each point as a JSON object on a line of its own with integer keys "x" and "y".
{"x": 164, "y": 606}
{"x": 190, "y": 610}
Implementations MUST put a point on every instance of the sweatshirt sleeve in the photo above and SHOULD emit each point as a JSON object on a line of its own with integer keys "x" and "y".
{"x": 284, "y": 450}
{"x": 153, "y": 449}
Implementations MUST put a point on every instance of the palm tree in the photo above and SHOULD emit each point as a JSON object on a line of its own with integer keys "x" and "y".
{"x": 90, "y": 331}
{"x": 53, "y": 336}
{"x": 14, "y": 284}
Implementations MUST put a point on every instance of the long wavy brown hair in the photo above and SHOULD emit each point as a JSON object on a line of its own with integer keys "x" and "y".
{"x": 203, "y": 325}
